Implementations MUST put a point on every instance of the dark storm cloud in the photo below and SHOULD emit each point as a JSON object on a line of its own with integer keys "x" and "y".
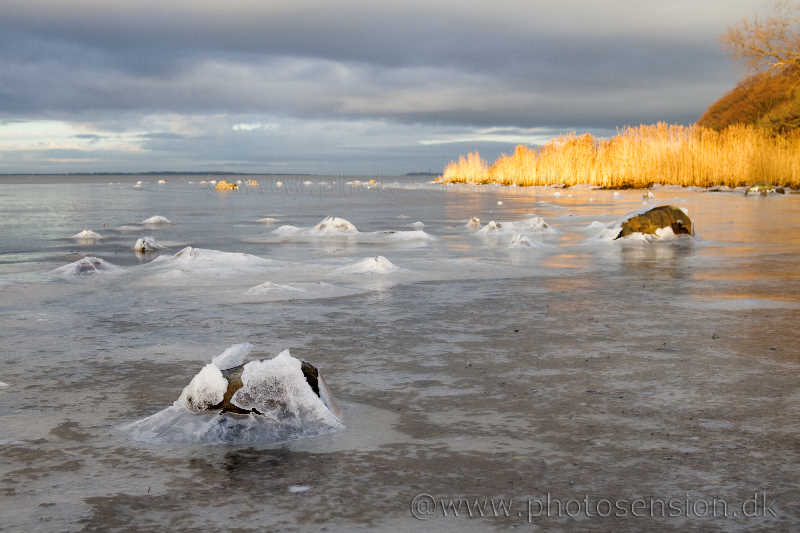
{"x": 527, "y": 63}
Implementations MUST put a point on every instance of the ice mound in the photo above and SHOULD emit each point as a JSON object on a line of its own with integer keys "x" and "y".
{"x": 338, "y": 228}
{"x": 531, "y": 225}
{"x": 87, "y": 235}
{"x": 268, "y": 401}
{"x": 86, "y": 266}
{"x": 370, "y": 265}
{"x": 521, "y": 241}
{"x": 308, "y": 290}
{"x": 334, "y": 225}
{"x": 418, "y": 224}
{"x": 191, "y": 265}
{"x": 147, "y": 245}
{"x": 156, "y": 220}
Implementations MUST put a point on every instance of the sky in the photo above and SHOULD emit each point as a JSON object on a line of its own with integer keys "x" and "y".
{"x": 342, "y": 87}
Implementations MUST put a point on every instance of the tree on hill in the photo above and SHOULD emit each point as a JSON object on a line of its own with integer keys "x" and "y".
{"x": 771, "y": 43}
{"x": 770, "y": 97}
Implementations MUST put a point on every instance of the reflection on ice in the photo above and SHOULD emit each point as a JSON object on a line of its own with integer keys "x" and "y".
{"x": 268, "y": 401}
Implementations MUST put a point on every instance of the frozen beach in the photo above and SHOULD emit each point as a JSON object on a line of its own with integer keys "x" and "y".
{"x": 480, "y": 341}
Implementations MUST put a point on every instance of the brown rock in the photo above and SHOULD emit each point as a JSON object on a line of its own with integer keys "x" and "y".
{"x": 659, "y": 217}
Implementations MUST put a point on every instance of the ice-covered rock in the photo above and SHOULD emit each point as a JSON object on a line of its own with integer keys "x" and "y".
{"x": 156, "y": 220}
{"x": 764, "y": 189}
{"x": 147, "y": 245}
{"x": 86, "y": 266}
{"x": 87, "y": 235}
{"x": 332, "y": 224}
{"x": 272, "y": 400}
{"x": 654, "y": 222}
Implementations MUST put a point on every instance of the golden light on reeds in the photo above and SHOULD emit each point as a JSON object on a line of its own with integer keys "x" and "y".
{"x": 640, "y": 155}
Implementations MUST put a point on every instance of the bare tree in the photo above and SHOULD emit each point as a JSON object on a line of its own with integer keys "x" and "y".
{"x": 771, "y": 43}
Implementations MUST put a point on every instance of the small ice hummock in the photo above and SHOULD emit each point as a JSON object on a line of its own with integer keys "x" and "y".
{"x": 418, "y": 224}
{"x": 156, "y": 220}
{"x": 87, "y": 235}
{"x": 370, "y": 265}
{"x": 332, "y": 224}
{"x": 267, "y": 220}
{"x": 521, "y": 241}
{"x": 279, "y": 401}
{"x": 85, "y": 266}
{"x": 297, "y": 489}
{"x": 147, "y": 245}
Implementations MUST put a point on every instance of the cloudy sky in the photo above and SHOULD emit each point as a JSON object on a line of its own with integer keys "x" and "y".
{"x": 367, "y": 87}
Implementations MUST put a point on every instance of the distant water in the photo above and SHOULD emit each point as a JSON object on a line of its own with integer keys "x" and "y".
{"x": 532, "y": 356}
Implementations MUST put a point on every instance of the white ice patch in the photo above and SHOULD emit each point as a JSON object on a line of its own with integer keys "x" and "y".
{"x": 87, "y": 235}
{"x": 267, "y": 220}
{"x": 3, "y": 385}
{"x": 206, "y": 389}
{"x": 296, "y": 489}
{"x": 369, "y": 265}
{"x": 156, "y": 220}
{"x": 147, "y": 245}
{"x": 232, "y": 356}
{"x": 86, "y": 266}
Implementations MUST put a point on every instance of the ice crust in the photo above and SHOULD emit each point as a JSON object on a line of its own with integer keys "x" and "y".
{"x": 232, "y": 356}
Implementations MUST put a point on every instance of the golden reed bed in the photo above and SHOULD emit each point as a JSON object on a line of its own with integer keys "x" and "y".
{"x": 641, "y": 155}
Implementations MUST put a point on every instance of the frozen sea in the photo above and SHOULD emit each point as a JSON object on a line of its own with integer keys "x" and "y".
{"x": 530, "y": 358}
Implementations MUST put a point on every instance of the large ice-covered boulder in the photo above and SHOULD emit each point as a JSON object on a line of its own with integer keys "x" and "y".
{"x": 658, "y": 218}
